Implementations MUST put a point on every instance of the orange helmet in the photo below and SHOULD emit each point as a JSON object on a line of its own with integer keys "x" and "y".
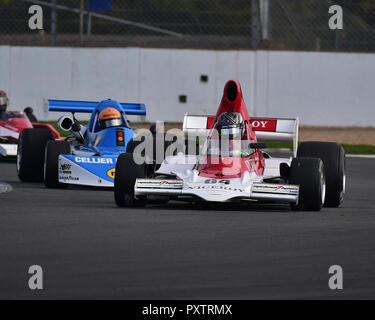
{"x": 110, "y": 117}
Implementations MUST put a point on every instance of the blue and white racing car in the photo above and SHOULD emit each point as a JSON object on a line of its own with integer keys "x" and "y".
{"x": 88, "y": 157}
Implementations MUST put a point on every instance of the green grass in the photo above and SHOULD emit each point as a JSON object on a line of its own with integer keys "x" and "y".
{"x": 349, "y": 148}
{"x": 62, "y": 132}
{"x": 359, "y": 149}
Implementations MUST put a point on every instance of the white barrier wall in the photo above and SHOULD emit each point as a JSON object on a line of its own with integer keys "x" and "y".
{"x": 327, "y": 89}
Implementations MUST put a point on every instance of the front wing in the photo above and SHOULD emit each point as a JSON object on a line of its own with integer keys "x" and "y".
{"x": 257, "y": 191}
{"x": 94, "y": 171}
{"x": 8, "y": 150}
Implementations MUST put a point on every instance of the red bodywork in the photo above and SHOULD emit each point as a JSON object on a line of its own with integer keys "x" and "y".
{"x": 232, "y": 167}
{"x": 12, "y": 123}
{"x": 49, "y": 127}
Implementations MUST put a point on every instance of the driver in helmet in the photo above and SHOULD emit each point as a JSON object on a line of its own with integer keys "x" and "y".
{"x": 230, "y": 127}
{"x": 110, "y": 117}
{"x": 4, "y": 101}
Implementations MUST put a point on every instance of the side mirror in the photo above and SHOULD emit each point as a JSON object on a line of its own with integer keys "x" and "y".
{"x": 65, "y": 123}
{"x": 257, "y": 145}
{"x": 76, "y": 127}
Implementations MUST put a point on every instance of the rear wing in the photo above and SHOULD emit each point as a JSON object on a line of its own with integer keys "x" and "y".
{"x": 266, "y": 129}
{"x": 89, "y": 107}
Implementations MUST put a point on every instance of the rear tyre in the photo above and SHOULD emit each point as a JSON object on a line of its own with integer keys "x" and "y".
{"x": 333, "y": 157}
{"x": 308, "y": 173}
{"x": 30, "y": 154}
{"x": 127, "y": 171}
{"x": 51, "y": 170}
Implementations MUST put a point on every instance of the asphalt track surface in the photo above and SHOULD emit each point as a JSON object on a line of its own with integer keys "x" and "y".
{"x": 89, "y": 248}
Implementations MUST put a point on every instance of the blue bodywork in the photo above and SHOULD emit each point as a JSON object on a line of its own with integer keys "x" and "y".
{"x": 100, "y": 145}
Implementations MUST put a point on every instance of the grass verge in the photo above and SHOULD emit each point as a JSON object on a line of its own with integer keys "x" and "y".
{"x": 349, "y": 148}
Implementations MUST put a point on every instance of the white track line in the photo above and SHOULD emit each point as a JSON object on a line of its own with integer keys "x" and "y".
{"x": 363, "y": 156}
{"x": 4, "y": 187}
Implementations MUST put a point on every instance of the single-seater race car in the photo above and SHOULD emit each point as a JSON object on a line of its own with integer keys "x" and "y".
{"x": 11, "y": 125}
{"x": 87, "y": 157}
{"x": 231, "y": 166}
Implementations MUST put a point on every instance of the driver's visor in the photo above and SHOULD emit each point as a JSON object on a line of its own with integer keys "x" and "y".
{"x": 111, "y": 123}
{"x": 231, "y": 131}
{"x": 3, "y": 101}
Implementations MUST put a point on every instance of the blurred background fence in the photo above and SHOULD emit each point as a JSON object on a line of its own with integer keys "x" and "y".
{"x": 211, "y": 24}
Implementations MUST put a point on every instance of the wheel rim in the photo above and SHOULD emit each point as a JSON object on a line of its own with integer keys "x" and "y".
{"x": 19, "y": 158}
{"x": 323, "y": 184}
{"x": 45, "y": 169}
{"x": 344, "y": 184}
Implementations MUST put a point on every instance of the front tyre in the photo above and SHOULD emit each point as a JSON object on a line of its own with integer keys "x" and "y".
{"x": 30, "y": 154}
{"x": 127, "y": 171}
{"x": 309, "y": 174}
{"x": 333, "y": 157}
{"x": 51, "y": 170}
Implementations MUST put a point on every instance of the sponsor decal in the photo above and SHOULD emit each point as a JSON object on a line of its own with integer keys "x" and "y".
{"x": 166, "y": 184}
{"x": 275, "y": 188}
{"x": 65, "y": 168}
{"x": 214, "y": 181}
{"x": 97, "y": 141}
{"x": 111, "y": 173}
{"x": 216, "y": 187}
{"x": 69, "y": 178}
{"x": 93, "y": 160}
{"x": 264, "y": 125}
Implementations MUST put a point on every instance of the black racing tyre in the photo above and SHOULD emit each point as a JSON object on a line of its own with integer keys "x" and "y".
{"x": 51, "y": 169}
{"x": 30, "y": 154}
{"x": 127, "y": 171}
{"x": 333, "y": 157}
{"x": 308, "y": 173}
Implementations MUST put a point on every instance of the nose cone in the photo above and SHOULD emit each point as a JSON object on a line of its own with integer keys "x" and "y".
{"x": 232, "y": 91}
{"x": 232, "y": 100}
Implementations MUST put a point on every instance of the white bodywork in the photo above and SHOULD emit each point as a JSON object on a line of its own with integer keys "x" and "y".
{"x": 75, "y": 174}
{"x": 187, "y": 183}
{"x": 8, "y": 150}
{"x": 9, "y": 132}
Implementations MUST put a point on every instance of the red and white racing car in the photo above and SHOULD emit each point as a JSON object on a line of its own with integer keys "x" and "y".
{"x": 232, "y": 167}
{"x": 11, "y": 125}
